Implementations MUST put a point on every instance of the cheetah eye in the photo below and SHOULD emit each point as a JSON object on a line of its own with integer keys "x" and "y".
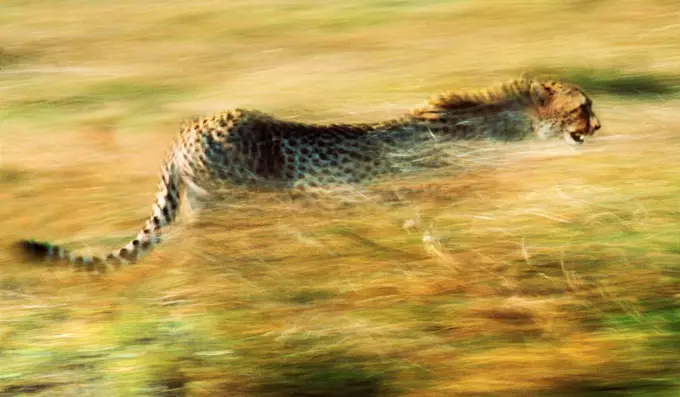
{"x": 581, "y": 109}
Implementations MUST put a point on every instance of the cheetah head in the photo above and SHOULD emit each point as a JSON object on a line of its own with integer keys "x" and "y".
{"x": 563, "y": 110}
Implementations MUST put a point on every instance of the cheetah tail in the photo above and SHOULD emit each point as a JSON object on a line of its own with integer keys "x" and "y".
{"x": 165, "y": 210}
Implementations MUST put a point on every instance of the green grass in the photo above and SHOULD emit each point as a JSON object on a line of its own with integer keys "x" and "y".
{"x": 529, "y": 270}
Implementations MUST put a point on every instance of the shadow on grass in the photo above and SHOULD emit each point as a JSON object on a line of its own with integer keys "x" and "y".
{"x": 615, "y": 82}
{"x": 632, "y": 388}
{"x": 311, "y": 368}
{"x": 324, "y": 375}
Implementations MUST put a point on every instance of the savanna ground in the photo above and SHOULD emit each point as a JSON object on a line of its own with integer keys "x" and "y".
{"x": 530, "y": 269}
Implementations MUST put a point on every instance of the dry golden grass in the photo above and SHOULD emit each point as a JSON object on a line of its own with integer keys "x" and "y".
{"x": 524, "y": 270}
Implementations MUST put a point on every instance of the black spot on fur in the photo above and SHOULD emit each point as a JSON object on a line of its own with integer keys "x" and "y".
{"x": 113, "y": 260}
{"x": 98, "y": 263}
{"x": 33, "y": 250}
{"x": 125, "y": 254}
{"x": 166, "y": 212}
{"x": 78, "y": 262}
{"x": 172, "y": 198}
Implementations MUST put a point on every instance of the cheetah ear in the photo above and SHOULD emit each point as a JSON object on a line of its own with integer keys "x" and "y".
{"x": 539, "y": 95}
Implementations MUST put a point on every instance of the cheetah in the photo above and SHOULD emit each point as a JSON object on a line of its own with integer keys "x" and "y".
{"x": 248, "y": 148}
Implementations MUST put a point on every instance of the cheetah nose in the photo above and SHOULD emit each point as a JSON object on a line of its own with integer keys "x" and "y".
{"x": 595, "y": 124}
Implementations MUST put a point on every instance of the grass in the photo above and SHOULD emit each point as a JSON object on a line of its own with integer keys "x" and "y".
{"x": 311, "y": 371}
{"x": 524, "y": 270}
{"x": 13, "y": 57}
{"x": 616, "y": 83}
{"x": 136, "y": 99}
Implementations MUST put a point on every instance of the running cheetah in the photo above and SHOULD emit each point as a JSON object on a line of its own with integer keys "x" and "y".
{"x": 249, "y": 148}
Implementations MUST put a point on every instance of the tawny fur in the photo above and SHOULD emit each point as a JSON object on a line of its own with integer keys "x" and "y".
{"x": 249, "y": 148}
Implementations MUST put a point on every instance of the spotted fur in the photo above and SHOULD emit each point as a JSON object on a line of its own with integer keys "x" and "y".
{"x": 249, "y": 148}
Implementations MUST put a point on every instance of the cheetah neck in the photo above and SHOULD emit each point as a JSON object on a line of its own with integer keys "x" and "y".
{"x": 425, "y": 137}
{"x": 427, "y": 127}
{"x": 504, "y": 112}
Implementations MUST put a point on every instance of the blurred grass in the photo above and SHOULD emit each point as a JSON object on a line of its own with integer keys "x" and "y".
{"x": 138, "y": 97}
{"x": 525, "y": 270}
{"x": 15, "y": 57}
{"x": 617, "y": 83}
